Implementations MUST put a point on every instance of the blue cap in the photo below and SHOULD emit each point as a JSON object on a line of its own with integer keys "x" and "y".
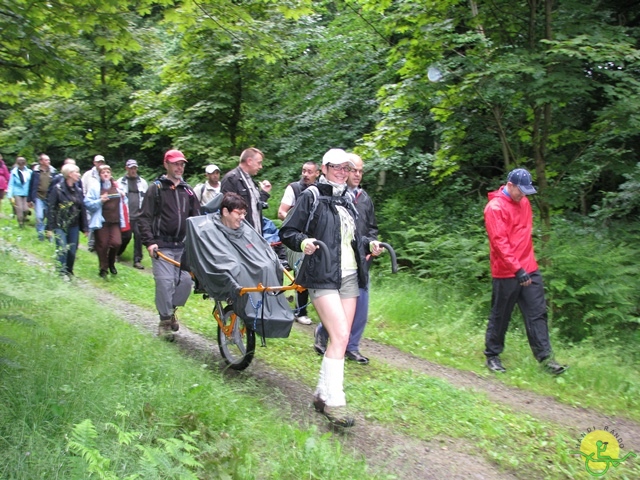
{"x": 521, "y": 178}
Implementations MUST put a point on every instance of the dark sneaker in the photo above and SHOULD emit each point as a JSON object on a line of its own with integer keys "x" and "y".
{"x": 103, "y": 274}
{"x": 495, "y": 365}
{"x": 553, "y": 367}
{"x": 339, "y": 416}
{"x": 356, "y": 356}
{"x": 138, "y": 265}
{"x": 175, "y": 326}
{"x": 113, "y": 270}
{"x": 320, "y": 340}
{"x": 164, "y": 330}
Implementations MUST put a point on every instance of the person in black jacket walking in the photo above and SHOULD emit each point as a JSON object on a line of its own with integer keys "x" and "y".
{"x": 367, "y": 227}
{"x": 325, "y": 212}
{"x": 163, "y": 226}
{"x": 67, "y": 217}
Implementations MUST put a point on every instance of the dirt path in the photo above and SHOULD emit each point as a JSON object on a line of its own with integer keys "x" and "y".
{"x": 386, "y": 451}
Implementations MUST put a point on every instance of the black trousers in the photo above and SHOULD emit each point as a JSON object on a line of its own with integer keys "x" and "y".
{"x": 506, "y": 293}
{"x": 137, "y": 243}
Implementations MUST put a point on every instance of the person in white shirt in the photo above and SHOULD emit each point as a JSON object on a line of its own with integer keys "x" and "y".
{"x": 207, "y": 190}
{"x": 309, "y": 176}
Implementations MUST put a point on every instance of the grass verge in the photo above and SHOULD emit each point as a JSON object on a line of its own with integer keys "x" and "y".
{"x": 84, "y": 394}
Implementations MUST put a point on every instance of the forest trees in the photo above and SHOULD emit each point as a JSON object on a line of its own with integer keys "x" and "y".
{"x": 441, "y": 98}
{"x": 551, "y": 86}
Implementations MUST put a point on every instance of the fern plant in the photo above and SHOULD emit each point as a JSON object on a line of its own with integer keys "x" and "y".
{"x": 172, "y": 458}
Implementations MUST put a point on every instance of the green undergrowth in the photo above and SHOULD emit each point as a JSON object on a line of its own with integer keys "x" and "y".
{"x": 84, "y": 394}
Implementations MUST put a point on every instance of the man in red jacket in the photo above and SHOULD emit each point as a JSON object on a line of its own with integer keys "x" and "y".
{"x": 514, "y": 270}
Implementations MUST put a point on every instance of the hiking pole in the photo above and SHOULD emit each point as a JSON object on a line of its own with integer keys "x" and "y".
{"x": 158, "y": 254}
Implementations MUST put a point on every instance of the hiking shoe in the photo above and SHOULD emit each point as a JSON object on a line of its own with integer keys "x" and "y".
{"x": 495, "y": 365}
{"x": 304, "y": 320}
{"x": 553, "y": 367}
{"x": 113, "y": 270}
{"x": 320, "y": 340}
{"x": 138, "y": 265}
{"x": 175, "y": 326}
{"x": 103, "y": 274}
{"x": 356, "y": 356}
{"x": 165, "y": 330}
{"x": 339, "y": 416}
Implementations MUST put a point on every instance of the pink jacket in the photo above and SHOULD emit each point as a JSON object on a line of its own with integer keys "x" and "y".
{"x": 509, "y": 225}
{"x": 4, "y": 175}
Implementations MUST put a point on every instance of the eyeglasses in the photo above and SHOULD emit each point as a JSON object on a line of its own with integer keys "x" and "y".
{"x": 344, "y": 168}
{"x": 242, "y": 214}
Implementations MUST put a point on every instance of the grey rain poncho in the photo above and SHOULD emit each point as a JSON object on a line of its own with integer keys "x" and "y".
{"x": 224, "y": 260}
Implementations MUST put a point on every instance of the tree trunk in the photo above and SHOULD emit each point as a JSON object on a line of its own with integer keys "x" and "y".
{"x": 541, "y": 125}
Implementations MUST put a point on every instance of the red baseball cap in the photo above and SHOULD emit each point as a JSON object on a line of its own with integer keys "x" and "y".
{"x": 173, "y": 156}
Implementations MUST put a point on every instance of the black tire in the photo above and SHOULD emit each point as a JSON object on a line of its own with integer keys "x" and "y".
{"x": 238, "y": 348}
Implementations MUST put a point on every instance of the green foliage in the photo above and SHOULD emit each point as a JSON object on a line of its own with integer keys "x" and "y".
{"x": 592, "y": 280}
{"x": 435, "y": 237}
{"x": 83, "y": 443}
{"x": 625, "y": 203}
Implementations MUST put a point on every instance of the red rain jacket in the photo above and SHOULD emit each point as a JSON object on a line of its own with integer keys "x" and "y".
{"x": 509, "y": 225}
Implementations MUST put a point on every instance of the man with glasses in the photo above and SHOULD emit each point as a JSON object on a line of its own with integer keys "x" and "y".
{"x": 309, "y": 176}
{"x": 240, "y": 181}
{"x": 163, "y": 226}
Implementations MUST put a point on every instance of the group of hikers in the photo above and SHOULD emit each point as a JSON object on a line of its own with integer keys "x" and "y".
{"x": 326, "y": 205}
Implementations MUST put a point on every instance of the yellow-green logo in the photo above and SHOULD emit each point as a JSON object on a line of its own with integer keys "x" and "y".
{"x": 600, "y": 450}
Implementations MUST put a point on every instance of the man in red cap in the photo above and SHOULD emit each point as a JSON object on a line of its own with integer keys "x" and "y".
{"x": 163, "y": 226}
{"x": 514, "y": 271}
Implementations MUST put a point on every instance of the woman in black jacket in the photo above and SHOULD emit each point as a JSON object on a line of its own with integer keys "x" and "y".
{"x": 66, "y": 217}
{"x": 326, "y": 213}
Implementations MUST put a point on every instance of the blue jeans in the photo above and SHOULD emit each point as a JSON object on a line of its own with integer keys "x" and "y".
{"x": 359, "y": 321}
{"x": 41, "y": 213}
{"x": 66, "y": 247}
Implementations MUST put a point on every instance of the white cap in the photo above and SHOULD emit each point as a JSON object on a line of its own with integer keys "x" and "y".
{"x": 98, "y": 158}
{"x": 336, "y": 156}
{"x": 211, "y": 168}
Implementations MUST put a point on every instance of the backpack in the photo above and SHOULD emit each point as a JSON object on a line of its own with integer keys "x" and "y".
{"x": 158, "y": 197}
{"x": 317, "y": 198}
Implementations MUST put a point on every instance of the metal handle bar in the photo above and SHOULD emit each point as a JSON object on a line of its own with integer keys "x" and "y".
{"x": 392, "y": 254}
{"x": 325, "y": 258}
